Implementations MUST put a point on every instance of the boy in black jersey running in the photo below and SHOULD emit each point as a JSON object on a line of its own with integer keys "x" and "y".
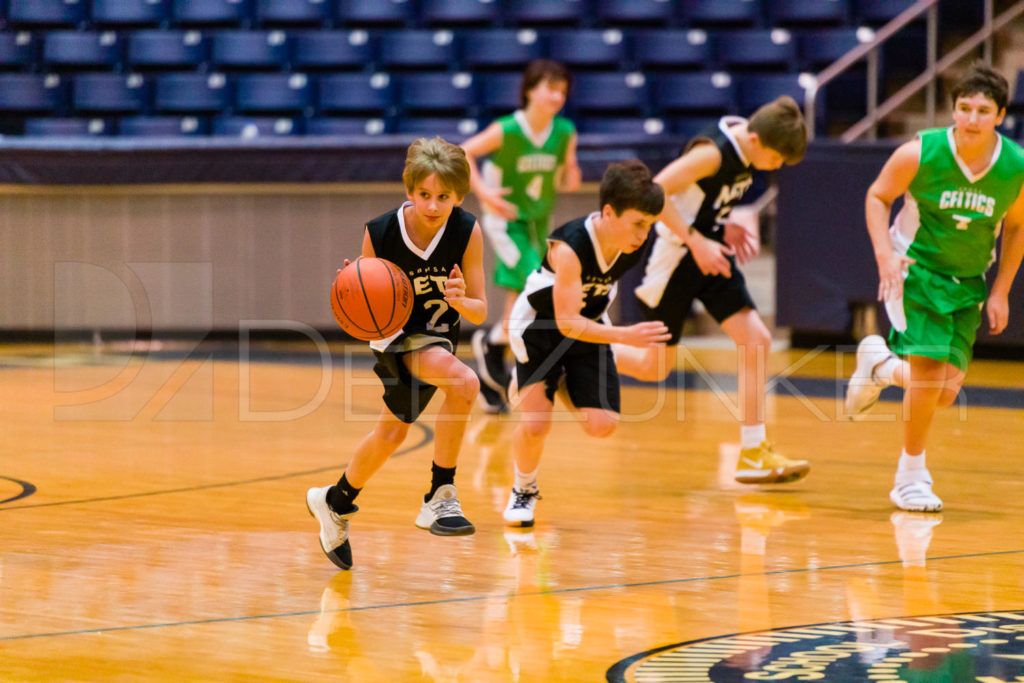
{"x": 695, "y": 255}
{"x": 440, "y": 247}
{"x": 558, "y": 329}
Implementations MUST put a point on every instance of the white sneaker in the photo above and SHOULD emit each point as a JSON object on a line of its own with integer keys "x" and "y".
{"x": 333, "y": 527}
{"x": 864, "y": 387}
{"x": 442, "y": 514}
{"x": 915, "y": 496}
{"x": 519, "y": 510}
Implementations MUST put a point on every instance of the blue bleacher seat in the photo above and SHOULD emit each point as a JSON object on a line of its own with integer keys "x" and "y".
{"x": 547, "y": 12}
{"x": 273, "y": 92}
{"x": 334, "y": 50}
{"x": 757, "y": 49}
{"x": 437, "y": 92}
{"x": 130, "y": 12}
{"x": 162, "y": 126}
{"x": 588, "y": 48}
{"x": 460, "y": 13}
{"x": 722, "y": 12}
{"x": 689, "y": 126}
{"x": 212, "y": 12}
{"x": 451, "y": 129}
{"x": 82, "y": 49}
{"x": 32, "y": 92}
{"x": 808, "y": 12}
{"x": 191, "y": 92}
{"x": 292, "y": 12}
{"x": 333, "y": 125}
{"x": 758, "y": 89}
{"x": 362, "y": 93}
{"x": 160, "y": 49}
{"x": 416, "y": 49}
{"x": 695, "y": 93}
{"x": 499, "y": 93}
{"x": 610, "y": 92}
{"x": 255, "y": 126}
{"x": 660, "y": 13}
{"x": 17, "y": 50}
{"x": 58, "y": 127}
{"x": 46, "y": 12}
{"x": 249, "y": 50}
{"x": 496, "y": 49}
{"x": 622, "y": 125}
{"x": 672, "y": 49}
{"x": 1016, "y": 103}
{"x": 820, "y": 47}
{"x": 374, "y": 13}
{"x": 109, "y": 93}
{"x": 878, "y": 12}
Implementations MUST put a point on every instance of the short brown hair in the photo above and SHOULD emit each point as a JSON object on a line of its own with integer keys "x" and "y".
{"x": 628, "y": 185}
{"x": 542, "y": 70}
{"x": 426, "y": 157}
{"x": 984, "y": 80}
{"x": 780, "y": 126}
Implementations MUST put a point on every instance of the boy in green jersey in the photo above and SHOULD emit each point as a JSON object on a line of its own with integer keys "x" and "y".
{"x": 532, "y": 156}
{"x": 961, "y": 186}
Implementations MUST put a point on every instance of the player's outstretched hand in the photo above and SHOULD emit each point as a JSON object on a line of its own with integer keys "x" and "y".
{"x": 710, "y": 256}
{"x": 455, "y": 286}
{"x": 645, "y": 334}
{"x": 744, "y": 243}
{"x": 494, "y": 201}
{"x": 890, "y": 276}
{"x": 998, "y": 309}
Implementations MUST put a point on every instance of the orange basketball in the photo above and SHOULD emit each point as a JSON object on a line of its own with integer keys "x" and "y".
{"x": 371, "y": 299}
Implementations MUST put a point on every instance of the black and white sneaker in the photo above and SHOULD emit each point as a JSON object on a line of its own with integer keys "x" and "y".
{"x": 519, "y": 510}
{"x": 333, "y": 527}
{"x": 442, "y": 514}
{"x": 490, "y": 367}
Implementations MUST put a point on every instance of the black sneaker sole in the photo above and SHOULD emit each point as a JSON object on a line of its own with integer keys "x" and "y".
{"x": 439, "y": 530}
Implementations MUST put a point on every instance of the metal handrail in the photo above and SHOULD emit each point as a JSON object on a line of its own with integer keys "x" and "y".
{"x": 903, "y": 94}
{"x": 856, "y": 54}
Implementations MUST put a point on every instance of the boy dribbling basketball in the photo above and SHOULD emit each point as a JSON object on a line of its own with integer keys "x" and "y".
{"x": 440, "y": 248}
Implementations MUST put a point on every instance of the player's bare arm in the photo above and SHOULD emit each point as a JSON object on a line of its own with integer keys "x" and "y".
{"x": 1010, "y": 254}
{"x": 567, "y": 295}
{"x": 465, "y": 289}
{"x": 482, "y": 144}
{"x": 893, "y": 181}
{"x": 569, "y": 176}
{"x": 699, "y": 162}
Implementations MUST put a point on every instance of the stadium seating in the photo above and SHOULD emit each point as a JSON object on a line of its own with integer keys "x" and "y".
{"x": 331, "y": 50}
{"x": 500, "y": 49}
{"x": 808, "y": 12}
{"x": 356, "y": 93}
{"x": 17, "y": 50}
{"x": 585, "y": 49}
{"x": 451, "y": 128}
{"x": 374, "y": 13}
{"x": 633, "y": 13}
{"x": 700, "y": 93}
{"x": 757, "y": 49}
{"x": 499, "y": 93}
{"x": 417, "y": 49}
{"x": 546, "y": 12}
{"x": 722, "y": 13}
{"x": 122, "y": 13}
{"x": 82, "y": 49}
{"x": 192, "y": 93}
{"x": 345, "y": 126}
{"x": 437, "y": 93}
{"x": 109, "y": 92}
{"x": 154, "y": 49}
{"x": 610, "y": 93}
{"x": 249, "y": 127}
{"x": 249, "y": 50}
{"x": 60, "y": 127}
{"x": 212, "y": 13}
{"x": 163, "y": 126}
{"x": 273, "y": 92}
{"x": 292, "y": 12}
{"x": 41, "y": 13}
{"x": 672, "y": 49}
{"x": 32, "y": 93}
{"x": 460, "y": 13}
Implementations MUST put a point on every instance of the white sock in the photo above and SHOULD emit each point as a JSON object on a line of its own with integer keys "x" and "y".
{"x": 497, "y": 335}
{"x": 885, "y": 371}
{"x": 526, "y": 481}
{"x": 752, "y": 436}
{"x": 912, "y": 468}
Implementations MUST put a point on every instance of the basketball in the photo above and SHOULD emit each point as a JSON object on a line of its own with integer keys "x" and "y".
{"x": 371, "y": 299}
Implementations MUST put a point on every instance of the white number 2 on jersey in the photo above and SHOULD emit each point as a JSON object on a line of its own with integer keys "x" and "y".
{"x": 442, "y": 308}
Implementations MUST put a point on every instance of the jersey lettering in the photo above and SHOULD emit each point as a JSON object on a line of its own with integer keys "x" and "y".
{"x": 532, "y": 163}
{"x": 968, "y": 200}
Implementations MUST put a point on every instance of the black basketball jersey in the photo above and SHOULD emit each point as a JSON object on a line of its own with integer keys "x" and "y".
{"x": 598, "y": 277}
{"x": 427, "y": 270}
{"x": 706, "y": 204}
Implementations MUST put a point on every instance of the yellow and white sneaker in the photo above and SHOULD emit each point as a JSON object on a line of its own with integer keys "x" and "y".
{"x": 762, "y": 465}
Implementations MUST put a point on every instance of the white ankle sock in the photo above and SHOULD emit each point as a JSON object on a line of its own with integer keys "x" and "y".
{"x": 912, "y": 468}
{"x": 885, "y": 371}
{"x": 526, "y": 481}
{"x": 751, "y": 436}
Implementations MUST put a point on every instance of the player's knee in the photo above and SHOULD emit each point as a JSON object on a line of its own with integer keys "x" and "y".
{"x": 464, "y": 386}
{"x": 601, "y": 424}
{"x": 535, "y": 429}
{"x": 392, "y": 433}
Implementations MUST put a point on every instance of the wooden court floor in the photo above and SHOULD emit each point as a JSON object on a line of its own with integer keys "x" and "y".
{"x": 153, "y": 527}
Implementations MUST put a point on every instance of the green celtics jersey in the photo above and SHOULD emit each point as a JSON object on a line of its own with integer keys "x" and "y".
{"x": 951, "y": 216}
{"x": 526, "y": 163}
